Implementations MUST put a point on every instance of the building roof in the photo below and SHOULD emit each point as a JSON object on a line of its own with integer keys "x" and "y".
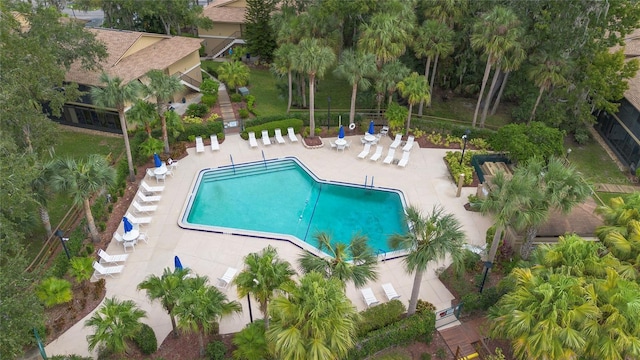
{"x": 161, "y": 52}
{"x": 632, "y": 51}
{"x": 217, "y": 11}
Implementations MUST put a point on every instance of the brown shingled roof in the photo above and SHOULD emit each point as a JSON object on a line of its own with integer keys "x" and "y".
{"x": 159, "y": 55}
{"x": 224, "y": 14}
{"x": 632, "y": 51}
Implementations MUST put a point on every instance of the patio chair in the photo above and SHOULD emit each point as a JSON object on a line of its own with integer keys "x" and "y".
{"x": 227, "y": 278}
{"x": 118, "y": 237}
{"x": 390, "y": 156}
{"x": 106, "y": 270}
{"x": 139, "y": 221}
{"x": 377, "y": 154}
{"x": 265, "y": 138}
{"x": 292, "y": 135}
{"x": 333, "y": 145}
{"x": 143, "y": 209}
{"x": 396, "y": 142}
{"x": 172, "y": 164}
{"x": 369, "y": 297}
{"x": 390, "y": 291}
{"x": 279, "y": 137}
{"x": 162, "y": 177}
{"x": 199, "y": 144}
{"x": 365, "y": 151}
{"x": 215, "y": 145}
{"x": 130, "y": 244}
{"x": 409, "y": 144}
{"x": 111, "y": 259}
{"x": 143, "y": 237}
{"x": 252, "y": 139}
{"x": 384, "y": 131}
{"x": 348, "y": 146}
{"x": 150, "y": 173}
{"x": 151, "y": 189}
{"x": 405, "y": 159}
{"x": 148, "y": 199}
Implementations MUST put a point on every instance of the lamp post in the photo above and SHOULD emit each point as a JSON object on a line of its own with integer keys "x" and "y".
{"x": 249, "y": 301}
{"x": 59, "y": 233}
{"x": 465, "y": 138}
{"x": 568, "y": 153}
{"x": 328, "y": 111}
{"x": 487, "y": 266}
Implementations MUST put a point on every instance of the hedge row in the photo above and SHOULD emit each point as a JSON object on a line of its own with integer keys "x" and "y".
{"x": 445, "y": 127}
{"x": 419, "y": 326}
{"x": 296, "y": 124}
{"x": 267, "y": 119}
{"x": 204, "y": 129}
{"x": 377, "y": 317}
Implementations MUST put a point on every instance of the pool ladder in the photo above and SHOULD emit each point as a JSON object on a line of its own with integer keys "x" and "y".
{"x": 383, "y": 253}
{"x": 233, "y": 166}
{"x": 366, "y": 181}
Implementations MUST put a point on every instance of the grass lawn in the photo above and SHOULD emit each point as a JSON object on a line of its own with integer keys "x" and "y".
{"x": 595, "y": 164}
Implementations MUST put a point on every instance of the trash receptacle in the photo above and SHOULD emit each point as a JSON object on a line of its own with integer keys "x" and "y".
{"x": 184, "y": 100}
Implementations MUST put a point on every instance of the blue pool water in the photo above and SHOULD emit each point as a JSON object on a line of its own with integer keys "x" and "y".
{"x": 282, "y": 197}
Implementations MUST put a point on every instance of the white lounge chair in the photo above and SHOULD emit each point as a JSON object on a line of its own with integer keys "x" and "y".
{"x": 252, "y": 139}
{"x": 148, "y": 199}
{"x": 265, "y": 138}
{"x": 227, "y": 278}
{"x": 390, "y": 291}
{"x": 279, "y": 137}
{"x": 199, "y": 144}
{"x": 143, "y": 209}
{"x": 215, "y": 145}
{"x": 139, "y": 221}
{"x": 405, "y": 159}
{"x": 409, "y": 144}
{"x": 101, "y": 270}
{"x": 363, "y": 154}
{"x": 111, "y": 259}
{"x": 390, "y": 156}
{"x": 376, "y": 155}
{"x": 151, "y": 189}
{"x": 369, "y": 297}
{"x": 292, "y": 135}
{"x": 396, "y": 142}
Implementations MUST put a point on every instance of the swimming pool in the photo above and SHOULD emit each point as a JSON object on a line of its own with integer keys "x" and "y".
{"x": 282, "y": 199}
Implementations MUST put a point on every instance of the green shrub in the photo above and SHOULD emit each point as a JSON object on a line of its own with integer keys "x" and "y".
{"x": 250, "y": 99}
{"x": 209, "y": 99}
{"x": 235, "y": 97}
{"x": 425, "y": 356}
{"x": 203, "y": 129}
{"x": 216, "y": 350}
{"x": 53, "y": 291}
{"x": 441, "y": 353}
{"x": 470, "y": 260}
{"x": 198, "y": 110}
{"x": 638, "y": 172}
{"x": 192, "y": 120}
{"x": 424, "y": 306}
{"x": 209, "y": 87}
{"x": 146, "y": 340}
{"x": 397, "y": 115}
{"x": 522, "y": 142}
{"x": 452, "y": 158}
{"x": 380, "y": 316}
{"x": 244, "y": 113}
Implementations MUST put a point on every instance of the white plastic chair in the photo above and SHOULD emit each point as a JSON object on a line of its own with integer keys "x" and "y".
{"x": 199, "y": 144}
{"x": 390, "y": 291}
{"x": 151, "y": 189}
{"x": 252, "y": 139}
{"x": 405, "y": 159}
{"x": 390, "y": 156}
{"x": 227, "y": 278}
{"x": 143, "y": 209}
{"x": 369, "y": 297}
{"x": 396, "y": 142}
{"x": 265, "y": 138}
{"x": 377, "y": 154}
{"x": 110, "y": 271}
{"x": 292, "y": 135}
{"x": 111, "y": 259}
{"x": 365, "y": 152}
{"x": 333, "y": 145}
{"x": 279, "y": 137}
{"x": 215, "y": 145}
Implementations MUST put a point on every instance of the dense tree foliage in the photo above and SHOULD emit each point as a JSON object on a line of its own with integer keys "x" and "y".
{"x": 259, "y": 34}
{"x": 521, "y": 142}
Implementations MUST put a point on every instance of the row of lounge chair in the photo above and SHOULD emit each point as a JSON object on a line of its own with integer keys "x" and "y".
{"x": 398, "y": 141}
{"x": 267, "y": 141}
{"x": 370, "y": 298}
{"x": 215, "y": 145}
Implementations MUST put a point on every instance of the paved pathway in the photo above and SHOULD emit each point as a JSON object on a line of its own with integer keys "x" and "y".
{"x": 617, "y": 188}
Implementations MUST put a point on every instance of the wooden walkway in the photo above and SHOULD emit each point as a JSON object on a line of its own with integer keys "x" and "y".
{"x": 615, "y": 188}
{"x": 463, "y": 337}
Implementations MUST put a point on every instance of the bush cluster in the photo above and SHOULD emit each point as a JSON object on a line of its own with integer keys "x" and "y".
{"x": 209, "y": 99}
{"x": 452, "y": 158}
{"x": 235, "y": 97}
{"x": 203, "y": 129}
{"x": 419, "y": 326}
{"x": 380, "y": 316}
{"x": 198, "y": 110}
{"x": 146, "y": 340}
{"x": 216, "y": 350}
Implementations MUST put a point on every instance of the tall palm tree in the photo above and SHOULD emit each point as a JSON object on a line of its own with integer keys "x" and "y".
{"x": 42, "y": 191}
{"x": 313, "y": 59}
{"x": 167, "y": 289}
{"x": 163, "y": 87}
{"x": 234, "y": 73}
{"x": 495, "y": 33}
{"x": 251, "y": 342}
{"x": 510, "y": 63}
{"x": 415, "y": 89}
{"x": 355, "y": 261}
{"x": 448, "y": 12}
{"x": 547, "y": 74}
{"x": 431, "y": 238}
{"x": 388, "y": 78}
{"x": 201, "y": 306}
{"x": 143, "y": 113}
{"x": 263, "y": 275}
{"x": 115, "y": 323}
{"x": 356, "y": 68}
{"x": 314, "y": 320}
{"x": 116, "y": 95}
{"x": 283, "y": 64}
{"x": 82, "y": 179}
{"x": 434, "y": 40}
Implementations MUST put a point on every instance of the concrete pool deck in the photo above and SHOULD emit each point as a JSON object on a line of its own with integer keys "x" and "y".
{"x": 425, "y": 182}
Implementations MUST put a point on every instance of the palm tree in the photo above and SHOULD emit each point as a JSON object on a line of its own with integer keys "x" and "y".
{"x": 510, "y": 62}
{"x": 314, "y": 320}
{"x": 356, "y": 67}
{"x": 546, "y": 74}
{"x": 264, "y": 273}
{"x": 432, "y": 237}
{"x": 495, "y": 33}
{"x": 115, "y": 323}
{"x": 167, "y": 290}
{"x": 434, "y": 40}
{"x": 415, "y": 89}
{"x": 53, "y": 291}
{"x": 162, "y": 87}
{"x": 388, "y": 78}
{"x": 116, "y": 95}
{"x": 235, "y": 74}
{"x": 143, "y": 113}
{"x": 448, "y": 12}
{"x": 355, "y": 261}
{"x": 313, "y": 59}
{"x": 251, "y": 342}
{"x": 82, "y": 179}
{"x": 283, "y": 64}
{"x": 41, "y": 193}
{"x": 201, "y": 306}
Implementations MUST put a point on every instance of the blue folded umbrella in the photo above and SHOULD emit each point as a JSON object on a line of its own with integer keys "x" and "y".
{"x": 156, "y": 160}
{"x": 128, "y": 226}
{"x": 341, "y": 132}
{"x": 177, "y": 263}
{"x": 371, "y": 129}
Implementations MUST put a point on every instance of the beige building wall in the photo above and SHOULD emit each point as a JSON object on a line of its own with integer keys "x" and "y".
{"x": 239, "y": 3}
{"x": 220, "y": 29}
{"x": 185, "y": 64}
{"x": 142, "y": 43}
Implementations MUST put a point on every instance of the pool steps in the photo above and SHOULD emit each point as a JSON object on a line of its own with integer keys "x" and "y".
{"x": 242, "y": 171}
